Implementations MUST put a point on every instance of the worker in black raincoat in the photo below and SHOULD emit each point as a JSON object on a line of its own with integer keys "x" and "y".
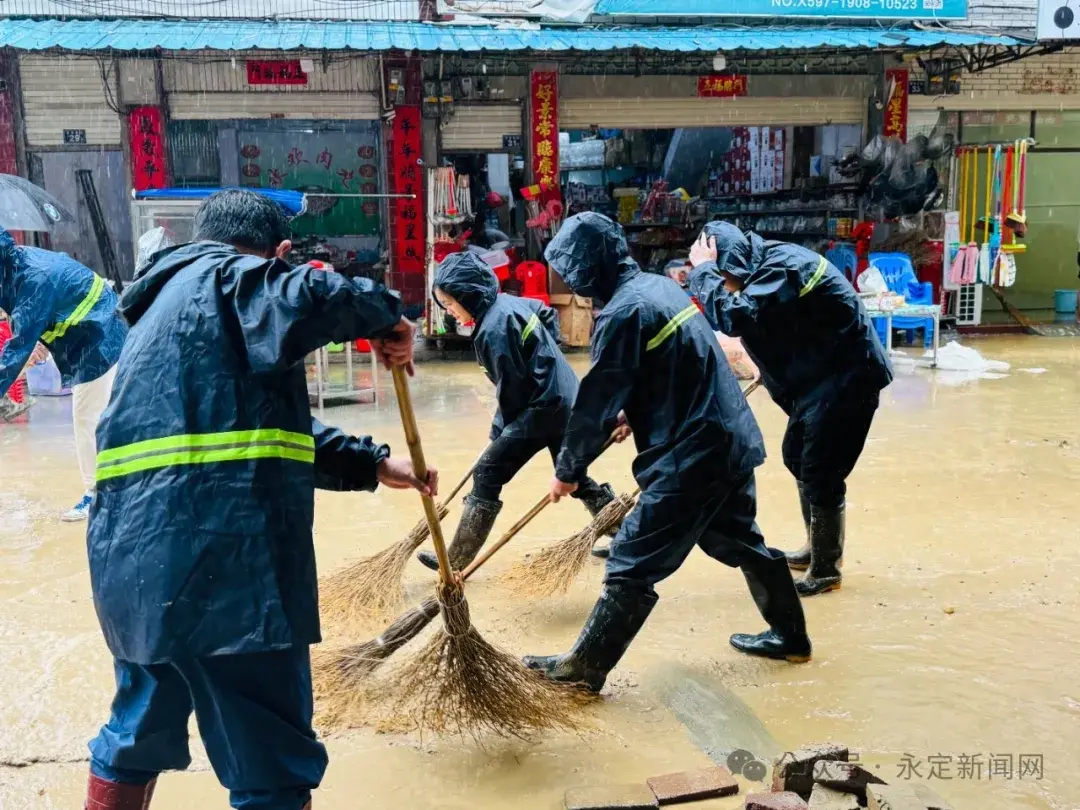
{"x": 656, "y": 359}
{"x": 200, "y": 537}
{"x": 803, "y": 325}
{"x": 516, "y": 342}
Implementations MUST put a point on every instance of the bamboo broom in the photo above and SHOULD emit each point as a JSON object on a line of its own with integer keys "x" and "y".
{"x": 553, "y": 570}
{"x": 357, "y": 660}
{"x": 371, "y": 588}
{"x": 458, "y": 681}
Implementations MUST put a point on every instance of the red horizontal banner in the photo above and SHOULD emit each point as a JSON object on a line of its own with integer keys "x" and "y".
{"x": 728, "y": 86}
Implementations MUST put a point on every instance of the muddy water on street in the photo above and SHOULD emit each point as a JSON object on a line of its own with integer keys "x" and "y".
{"x": 953, "y": 636}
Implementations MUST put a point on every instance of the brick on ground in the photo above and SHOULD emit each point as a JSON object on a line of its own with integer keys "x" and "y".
{"x": 688, "y": 786}
{"x": 794, "y": 771}
{"x": 611, "y": 797}
{"x": 892, "y": 797}
{"x": 823, "y": 798}
{"x": 775, "y": 801}
{"x": 846, "y": 777}
{"x": 930, "y": 799}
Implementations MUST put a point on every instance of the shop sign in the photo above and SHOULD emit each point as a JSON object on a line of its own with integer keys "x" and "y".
{"x": 544, "y": 105}
{"x": 721, "y": 86}
{"x": 896, "y": 108}
{"x": 406, "y": 177}
{"x": 275, "y": 71}
{"x": 147, "y": 148}
{"x": 819, "y": 9}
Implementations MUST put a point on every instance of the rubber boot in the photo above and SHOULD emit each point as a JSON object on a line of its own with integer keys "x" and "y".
{"x": 595, "y": 499}
{"x": 101, "y": 794}
{"x": 827, "y": 544}
{"x": 800, "y": 560}
{"x": 773, "y": 591}
{"x": 477, "y": 520}
{"x": 616, "y": 618}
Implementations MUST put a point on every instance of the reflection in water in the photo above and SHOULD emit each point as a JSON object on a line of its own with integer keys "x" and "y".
{"x": 953, "y": 634}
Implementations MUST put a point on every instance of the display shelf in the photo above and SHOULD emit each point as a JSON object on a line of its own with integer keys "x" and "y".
{"x": 779, "y": 212}
{"x": 833, "y": 189}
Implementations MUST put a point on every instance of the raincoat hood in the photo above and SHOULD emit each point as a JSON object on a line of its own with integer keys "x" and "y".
{"x": 591, "y": 255}
{"x": 469, "y": 279}
{"x": 151, "y": 279}
{"x": 736, "y": 252}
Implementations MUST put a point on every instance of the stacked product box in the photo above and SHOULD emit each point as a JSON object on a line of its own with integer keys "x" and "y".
{"x": 753, "y": 165}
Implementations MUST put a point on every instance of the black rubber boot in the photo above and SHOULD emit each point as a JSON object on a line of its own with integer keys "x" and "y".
{"x": 595, "y": 499}
{"x": 477, "y": 520}
{"x": 800, "y": 560}
{"x": 773, "y": 591}
{"x": 827, "y": 544}
{"x": 616, "y": 618}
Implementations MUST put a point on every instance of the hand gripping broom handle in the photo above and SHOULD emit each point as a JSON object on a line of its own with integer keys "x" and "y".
{"x": 416, "y": 452}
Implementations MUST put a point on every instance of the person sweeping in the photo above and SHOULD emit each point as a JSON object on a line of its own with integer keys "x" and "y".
{"x": 516, "y": 343}
{"x": 805, "y": 328}
{"x": 202, "y": 564}
{"x": 698, "y": 444}
{"x": 60, "y": 306}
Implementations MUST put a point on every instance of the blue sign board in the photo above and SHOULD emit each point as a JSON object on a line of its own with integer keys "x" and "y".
{"x": 814, "y": 9}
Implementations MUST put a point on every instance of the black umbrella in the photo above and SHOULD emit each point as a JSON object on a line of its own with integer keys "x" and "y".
{"x": 26, "y": 207}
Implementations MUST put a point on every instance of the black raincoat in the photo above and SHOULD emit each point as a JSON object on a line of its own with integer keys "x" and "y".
{"x": 516, "y": 342}
{"x": 200, "y": 536}
{"x": 803, "y": 325}
{"x": 798, "y": 317}
{"x": 654, "y": 357}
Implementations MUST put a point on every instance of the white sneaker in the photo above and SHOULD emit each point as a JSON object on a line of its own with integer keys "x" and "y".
{"x": 80, "y": 511}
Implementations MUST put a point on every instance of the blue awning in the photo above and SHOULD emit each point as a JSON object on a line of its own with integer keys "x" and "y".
{"x": 239, "y": 35}
{"x": 293, "y": 202}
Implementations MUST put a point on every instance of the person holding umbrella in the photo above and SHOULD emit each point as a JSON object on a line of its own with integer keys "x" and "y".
{"x": 58, "y": 305}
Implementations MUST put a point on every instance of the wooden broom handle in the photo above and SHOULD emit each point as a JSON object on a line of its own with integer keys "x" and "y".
{"x": 416, "y": 452}
{"x": 517, "y": 527}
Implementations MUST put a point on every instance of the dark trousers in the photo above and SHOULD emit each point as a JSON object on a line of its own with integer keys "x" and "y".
{"x": 665, "y": 525}
{"x": 824, "y": 439}
{"x": 254, "y": 716}
{"x": 506, "y": 455}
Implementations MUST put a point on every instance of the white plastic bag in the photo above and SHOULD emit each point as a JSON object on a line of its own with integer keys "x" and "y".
{"x": 151, "y": 242}
{"x": 736, "y": 355}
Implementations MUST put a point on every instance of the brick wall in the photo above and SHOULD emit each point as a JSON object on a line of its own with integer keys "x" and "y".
{"x": 1054, "y": 74}
{"x": 1002, "y": 15}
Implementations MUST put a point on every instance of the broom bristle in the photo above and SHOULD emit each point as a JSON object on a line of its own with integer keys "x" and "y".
{"x": 459, "y": 682}
{"x": 370, "y": 589}
{"x": 553, "y": 570}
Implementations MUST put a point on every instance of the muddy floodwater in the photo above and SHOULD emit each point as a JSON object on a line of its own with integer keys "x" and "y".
{"x": 950, "y": 655}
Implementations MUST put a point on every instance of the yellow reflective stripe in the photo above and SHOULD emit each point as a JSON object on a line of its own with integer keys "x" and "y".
{"x": 530, "y": 327}
{"x": 671, "y": 326}
{"x": 210, "y": 456}
{"x": 191, "y": 441}
{"x": 81, "y": 311}
{"x": 814, "y": 279}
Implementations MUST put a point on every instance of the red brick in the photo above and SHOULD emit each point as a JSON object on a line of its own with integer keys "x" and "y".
{"x": 689, "y": 786}
{"x": 775, "y": 801}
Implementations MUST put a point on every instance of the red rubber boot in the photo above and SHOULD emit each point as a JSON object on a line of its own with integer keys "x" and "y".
{"x": 101, "y": 794}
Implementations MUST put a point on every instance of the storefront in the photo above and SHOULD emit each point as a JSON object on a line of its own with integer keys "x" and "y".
{"x": 664, "y": 154}
{"x": 272, "y": 120}
{"x": 73, "y": 135}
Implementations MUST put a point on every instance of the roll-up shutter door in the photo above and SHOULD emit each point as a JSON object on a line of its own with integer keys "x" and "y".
{"x": 209, "y": 87}
{"x": 67, "y": 92}
{"x": 671, "y": 113}
{"x": 480, "y": 127}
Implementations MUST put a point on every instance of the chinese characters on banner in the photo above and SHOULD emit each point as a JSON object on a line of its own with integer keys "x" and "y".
{"x": 147, "y": 148}
{"x": 721, "y": 86}
{"x": 896, "y": 109}
{"x": 545, "y": 126}
{"x": 284, "y": 71}
{"x": 408, "y": 246}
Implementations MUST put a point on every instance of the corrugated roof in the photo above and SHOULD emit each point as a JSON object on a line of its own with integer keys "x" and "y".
{"x": 237, "y": 35}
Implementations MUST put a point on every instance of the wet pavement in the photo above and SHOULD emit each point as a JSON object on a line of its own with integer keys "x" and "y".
{"x": 948, "y": 655}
